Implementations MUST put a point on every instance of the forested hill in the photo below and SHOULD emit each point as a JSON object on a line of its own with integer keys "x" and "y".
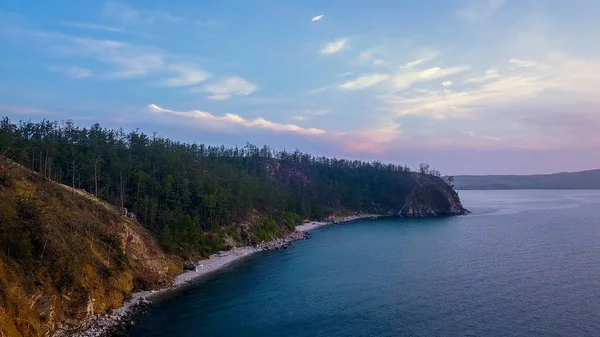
{"x": 197, "y": 199}
{"x": 583, "y": 180}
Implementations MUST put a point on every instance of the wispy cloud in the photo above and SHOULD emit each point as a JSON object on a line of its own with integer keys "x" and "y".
{"x": 228, "y": 87}
{"x": 471, "y": 134}
{"x": 347, "y": 73}
{"x": 368, "y": 141}
{"x": 428, "y": 56}
{"x": 364, "y": 81}
{"x": 318, "y": 90}
{"x": 375, "y": 140}
{"x": 236, "y": 120}
{"x": 366, "y": 55}
{"x": 334, "y": 47}
{"x": 135, "y": 65}
{"x": 479, "y": 9}
{"x": 187, "y": 75}
{"x": 128, "y": 15}
{"x": 8, "y": 109}
{"x": 379, "y": 62}
{"x": 91, "y": 26}
{"x": 488, "y": 75}
{"x": 317, "y": 18}
{"x": 310, "y": 113}
{"x": 445, "y": 102}
{"x": 73, "y": 72}
{"x": 522, "y": 63}
{"x": 406, "y": 80}
{"x": 447, "y": 83}
{"x": 127, "y": 60}
{"x": 527, "y": 85}
{"x": 208, "y": 23}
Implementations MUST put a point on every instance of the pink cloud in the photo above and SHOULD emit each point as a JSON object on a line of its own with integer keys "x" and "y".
{"x": 236, "y": 120}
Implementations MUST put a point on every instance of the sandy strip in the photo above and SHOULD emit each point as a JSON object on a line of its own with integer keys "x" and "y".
{"x": 317, "y": 224}
{"x": 215, "y": 262}
{"x": 310, "y": 226}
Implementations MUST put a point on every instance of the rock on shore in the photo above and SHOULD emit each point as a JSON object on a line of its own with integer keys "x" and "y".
{"x": 281, "y": 243}
{"x": 115, "y": 323}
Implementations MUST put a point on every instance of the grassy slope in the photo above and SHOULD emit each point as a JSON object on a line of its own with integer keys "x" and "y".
{"x": 65, "y": 255}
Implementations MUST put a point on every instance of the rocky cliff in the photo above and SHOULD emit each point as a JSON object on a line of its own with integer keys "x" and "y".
{"x": 431, "y": 197}
{"x": 67, "y": 256}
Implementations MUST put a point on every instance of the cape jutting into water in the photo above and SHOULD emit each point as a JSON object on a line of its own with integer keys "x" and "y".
{"x": 524, "y": 263}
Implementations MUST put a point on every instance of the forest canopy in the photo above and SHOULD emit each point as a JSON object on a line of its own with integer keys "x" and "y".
{"x": 189, "y": 195}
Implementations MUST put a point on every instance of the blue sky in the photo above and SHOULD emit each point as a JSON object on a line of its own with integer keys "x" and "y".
{"x": 470, "y": 86}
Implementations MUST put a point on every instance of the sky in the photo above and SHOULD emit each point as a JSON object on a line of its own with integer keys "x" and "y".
{"x": 468, "y": 86}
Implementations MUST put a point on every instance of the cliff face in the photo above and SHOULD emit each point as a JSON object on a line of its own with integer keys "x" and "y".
{"x": 431, "y": 197}
{"x": 66, "y": 256}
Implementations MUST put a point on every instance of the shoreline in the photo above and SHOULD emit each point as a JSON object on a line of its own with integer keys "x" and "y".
{"x": 121, "y": 318}
{"x": 307, "y": 227}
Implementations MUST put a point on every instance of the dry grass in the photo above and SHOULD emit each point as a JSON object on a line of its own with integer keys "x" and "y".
{"x": 64, "y": 255}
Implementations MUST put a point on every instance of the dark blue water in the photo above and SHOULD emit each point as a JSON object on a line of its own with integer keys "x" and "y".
{"x": 524, "y": 263}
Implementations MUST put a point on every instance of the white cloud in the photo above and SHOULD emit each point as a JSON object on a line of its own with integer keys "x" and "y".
{"x": 406, "y": 80}
{"x": 228, "y": 87}
{"x": 317, "y": 18}
{"x": 447, "y": 83}
{"x": 236, "y": 120}
{"x": 365, "y": 55}
{"x": 334, "y": 47}
{"x": 187, "y": 75}
{"x": 488, "y": 75}
{"x": 298, "y": 118}
{"x": 364, "y": 81}
{"x": 74, "y": 72}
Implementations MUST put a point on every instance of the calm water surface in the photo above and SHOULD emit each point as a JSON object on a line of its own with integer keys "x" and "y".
{"x": 524, "y": 263}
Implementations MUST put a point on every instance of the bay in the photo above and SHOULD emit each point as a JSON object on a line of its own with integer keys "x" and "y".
{"x": 523, "y": 263}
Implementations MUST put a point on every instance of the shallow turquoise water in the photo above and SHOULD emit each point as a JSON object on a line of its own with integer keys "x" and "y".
{"x": 524, "y": 263}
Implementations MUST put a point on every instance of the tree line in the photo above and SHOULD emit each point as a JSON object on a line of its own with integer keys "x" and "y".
{"x": 191, "y": 195}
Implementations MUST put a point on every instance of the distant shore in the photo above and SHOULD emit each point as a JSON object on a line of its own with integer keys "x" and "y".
{"x": 122, "y": 317}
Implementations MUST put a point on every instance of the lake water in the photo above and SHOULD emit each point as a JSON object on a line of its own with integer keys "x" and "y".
{"x": 524, "y": 263}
